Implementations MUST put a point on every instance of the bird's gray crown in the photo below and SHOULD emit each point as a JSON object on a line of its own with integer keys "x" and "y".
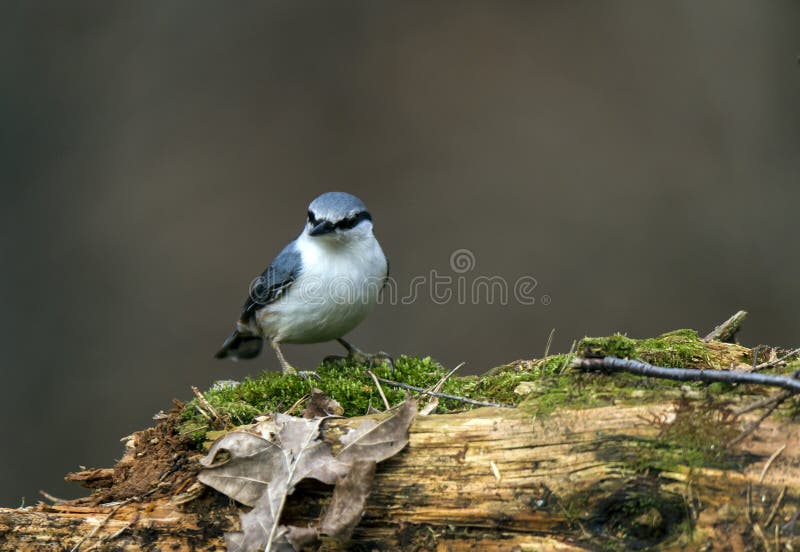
{"x": 336, "y": 206}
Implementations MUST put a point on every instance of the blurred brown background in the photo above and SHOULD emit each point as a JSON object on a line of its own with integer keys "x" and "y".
{"x": 640, "y": 160}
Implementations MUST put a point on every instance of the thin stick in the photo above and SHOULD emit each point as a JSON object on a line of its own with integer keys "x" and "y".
{"x": 727, "y": 329}
{"x": 755, "y": 351}
{"x": 434, "y": 402}
{"x": 769, "y": 463}
{"x": 380, "y": 390}
{"x": 51, "y": 498}
{"x": 116, "y": 534}
{"x": 203, "y": 401}
{"x": 101, "y": 524}
{"x": 777, "y": 361}
{"x": 760, "y": 532}
{"x": 442, "y": 395}
{"x": 569, "y": 357}
{"x": 777, "y": 505}
{"x": 444, "y": 378}
{"x": 193, "y": 430}
{"x": 777, "y": 397}
{"x": 549, "y": 342}
{"x": 614, "y": 364}
{"x": 296, "y": 404}
{"x": 752, "y": 427}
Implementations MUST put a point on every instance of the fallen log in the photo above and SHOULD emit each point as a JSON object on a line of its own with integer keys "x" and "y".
{"x": 578, "y": 464}
{"x": 491, "y": 478}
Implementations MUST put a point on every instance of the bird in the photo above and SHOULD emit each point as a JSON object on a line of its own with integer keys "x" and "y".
{"x": 319, "y": 287}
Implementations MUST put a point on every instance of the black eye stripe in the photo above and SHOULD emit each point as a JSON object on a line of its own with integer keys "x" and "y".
{"x": 350, "y": 222}
{"x": 311, "y": 218}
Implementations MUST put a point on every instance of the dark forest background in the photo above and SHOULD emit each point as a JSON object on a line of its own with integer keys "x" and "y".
{"x": 640, "y": 160}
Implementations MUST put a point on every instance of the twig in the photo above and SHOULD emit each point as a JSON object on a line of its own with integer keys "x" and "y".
{"x": 434, "y": 402}
{"x": 689, "y": 499}
{"x": 569, "y": 357}
{"x": 771, "y": 363}
{"x": 446, "y": 377}
{"x": 777, "y": 397}
{"x": 760, "y": 532}
{"x": 116, "y": 534}
{"x": 51, "y": 498}
{"x": 752, "y": 427}
{"x": 203, "y": 401}
{"x": 192, "y": 430}
{"x": 756, "y": 527}
{"x": 296, "y": 404}
{"x": 769, "y": 463}
{"x": 442, "y": 395}
{"x": 549, "y": 342}
{"x": 101, "y": 524}
{"x": 380, "y": 390}
{"x": 727, "y": 329}
{"x": 775, "y": 507}
{"x": 614, "y": 364}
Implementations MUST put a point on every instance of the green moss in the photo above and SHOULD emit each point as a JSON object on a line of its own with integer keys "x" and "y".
{"x": 538, "y": 387}
{"x": 679, "y": 348}
{"x": 347, "y": 382}
{"x": 616, "y": 345}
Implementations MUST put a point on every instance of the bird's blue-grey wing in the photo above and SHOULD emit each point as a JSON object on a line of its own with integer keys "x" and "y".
{"x": 275, "y": 280}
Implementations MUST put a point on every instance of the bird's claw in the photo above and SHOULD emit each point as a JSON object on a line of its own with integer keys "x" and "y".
{"x": 306, "y": 374}
{"x": 290, "y": 370}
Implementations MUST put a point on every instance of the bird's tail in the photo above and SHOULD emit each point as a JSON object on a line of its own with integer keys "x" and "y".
{"x": 240, "y": 346}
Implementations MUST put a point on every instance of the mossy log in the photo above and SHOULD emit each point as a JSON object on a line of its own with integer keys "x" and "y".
{"x": 487, "y": 479}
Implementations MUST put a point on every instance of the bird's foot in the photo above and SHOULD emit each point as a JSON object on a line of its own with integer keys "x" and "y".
{"x": 290, "y": 370}
{"x": 306, "y": 374}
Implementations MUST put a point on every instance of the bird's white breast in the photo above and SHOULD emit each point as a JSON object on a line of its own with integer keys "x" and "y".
{"x": 338, "y": 285}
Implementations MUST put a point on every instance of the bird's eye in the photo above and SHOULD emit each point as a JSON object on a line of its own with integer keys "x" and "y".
{"x": 311, "y": 218}
{"x": 352, "y": 221}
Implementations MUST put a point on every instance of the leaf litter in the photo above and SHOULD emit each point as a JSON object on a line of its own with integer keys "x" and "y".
{"x": 260, "y": 468}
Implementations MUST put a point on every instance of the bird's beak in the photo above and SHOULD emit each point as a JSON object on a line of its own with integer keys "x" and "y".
{"x": 324, "y": 227}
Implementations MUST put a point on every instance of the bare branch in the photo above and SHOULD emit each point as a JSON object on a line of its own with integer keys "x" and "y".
{"x": 613, "y": 364}
{"x": 728, "y": 329}
{"x": 770, "y": 364}
{"x": 442, "y": 395}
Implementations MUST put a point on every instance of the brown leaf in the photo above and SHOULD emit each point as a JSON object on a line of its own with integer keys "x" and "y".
{"x": 347, "y": 505}
{"x": 377, "y": 441}
{"x": 257, "y": 525}
{"x": 240, "y": 465}
{"x": 302, "y": 537}
{"x": 262, "y": 473}
{"x": 316, "y": 461}
{"x": 321, "y": 405}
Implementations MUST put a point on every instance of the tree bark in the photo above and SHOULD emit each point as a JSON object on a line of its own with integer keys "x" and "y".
{"x": 487, "y": 479}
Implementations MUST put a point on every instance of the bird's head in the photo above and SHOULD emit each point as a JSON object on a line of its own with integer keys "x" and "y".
{"x": 338, "y": 217}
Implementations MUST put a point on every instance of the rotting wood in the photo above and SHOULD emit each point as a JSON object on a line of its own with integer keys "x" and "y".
{"x": 566, "y": 482}
{"x": 727, "y": 331}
